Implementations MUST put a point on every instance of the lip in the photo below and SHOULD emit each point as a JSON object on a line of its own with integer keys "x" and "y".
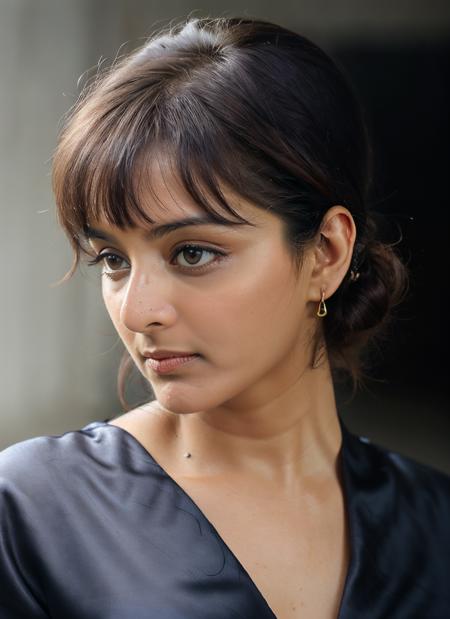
{"x": 168, "y": 364}
{"x": 165, "y": 354}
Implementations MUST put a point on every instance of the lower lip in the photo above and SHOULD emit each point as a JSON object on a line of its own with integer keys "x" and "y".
{"x": 164, "y": 366}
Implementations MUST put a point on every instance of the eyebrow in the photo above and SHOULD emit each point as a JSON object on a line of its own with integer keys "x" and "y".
{"x": 163, "y": 229}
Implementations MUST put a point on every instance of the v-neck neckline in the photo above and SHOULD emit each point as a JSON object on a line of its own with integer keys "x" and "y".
{"x": 346, "y": 436}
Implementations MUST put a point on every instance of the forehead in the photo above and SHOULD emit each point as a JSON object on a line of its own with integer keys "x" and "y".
{"x": 161, "y": 193}
{"x": 163, "y": 198}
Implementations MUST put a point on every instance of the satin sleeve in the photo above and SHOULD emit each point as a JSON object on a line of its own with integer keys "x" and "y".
{"x": 20, "y": 595}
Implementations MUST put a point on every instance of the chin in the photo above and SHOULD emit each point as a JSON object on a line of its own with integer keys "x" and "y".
{"x": 178, "y": 399}
{"x": 184, "y": 399}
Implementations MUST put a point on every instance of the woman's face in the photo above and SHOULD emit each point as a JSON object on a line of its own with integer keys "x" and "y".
{"x": 235, "y": 301}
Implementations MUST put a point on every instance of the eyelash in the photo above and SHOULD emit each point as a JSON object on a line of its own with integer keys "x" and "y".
{"x": 101, "y": 257}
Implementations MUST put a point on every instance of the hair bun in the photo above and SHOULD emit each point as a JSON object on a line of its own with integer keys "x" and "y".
{"x": 362, "y": 307}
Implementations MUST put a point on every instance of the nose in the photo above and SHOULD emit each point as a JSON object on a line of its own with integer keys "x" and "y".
{"x": 145, "y": 305}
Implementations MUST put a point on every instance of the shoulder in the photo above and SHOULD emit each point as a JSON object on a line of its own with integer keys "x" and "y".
{"x": 416, "y": 478}
{"x": 56, "y": 468}
{"x": 399, "y": 515}
{"x": 32, "y": 467}
{"x": 414, "y": 491}
{"x": 42, "y": 450}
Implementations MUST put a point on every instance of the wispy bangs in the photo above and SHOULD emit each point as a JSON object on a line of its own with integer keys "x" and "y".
{"x": 103, "y": 162}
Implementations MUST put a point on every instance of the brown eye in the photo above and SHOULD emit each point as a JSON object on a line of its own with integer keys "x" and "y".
{"x": 195, "y": 256}
{"x": 113, "y": 262}
{"x": 192, "y": 254}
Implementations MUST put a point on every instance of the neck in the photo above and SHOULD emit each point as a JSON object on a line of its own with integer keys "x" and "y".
{"x": 291, "y": 438}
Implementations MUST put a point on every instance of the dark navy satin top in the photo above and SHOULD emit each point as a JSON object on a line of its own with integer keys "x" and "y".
{"x": 91, "y": 527}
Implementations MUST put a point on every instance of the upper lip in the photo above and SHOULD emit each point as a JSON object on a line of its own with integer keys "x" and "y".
{"x": 165, "y": 354}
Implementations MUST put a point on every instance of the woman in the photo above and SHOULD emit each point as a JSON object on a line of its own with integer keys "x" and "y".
{"x": 220, "y": 175}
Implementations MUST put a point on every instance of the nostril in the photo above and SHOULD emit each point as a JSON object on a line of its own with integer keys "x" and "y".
{"x": 137, "y": 315}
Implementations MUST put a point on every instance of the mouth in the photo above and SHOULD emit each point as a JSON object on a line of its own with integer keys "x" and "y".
{"x": 168, "y": 364}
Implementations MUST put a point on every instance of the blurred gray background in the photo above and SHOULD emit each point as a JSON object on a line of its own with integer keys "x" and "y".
{"x": 59, "y": 351}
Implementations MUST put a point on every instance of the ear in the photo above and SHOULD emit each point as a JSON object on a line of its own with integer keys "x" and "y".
{"x": 332, "y": 252}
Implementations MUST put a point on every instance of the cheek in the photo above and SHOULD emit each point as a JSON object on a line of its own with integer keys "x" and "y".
{"x": 255, "y": 306}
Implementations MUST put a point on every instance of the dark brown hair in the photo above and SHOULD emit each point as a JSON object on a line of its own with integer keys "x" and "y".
{"x": 249, "y": 105}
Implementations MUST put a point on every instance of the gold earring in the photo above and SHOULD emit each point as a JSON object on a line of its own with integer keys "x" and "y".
{"x": 322, "y": 309}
